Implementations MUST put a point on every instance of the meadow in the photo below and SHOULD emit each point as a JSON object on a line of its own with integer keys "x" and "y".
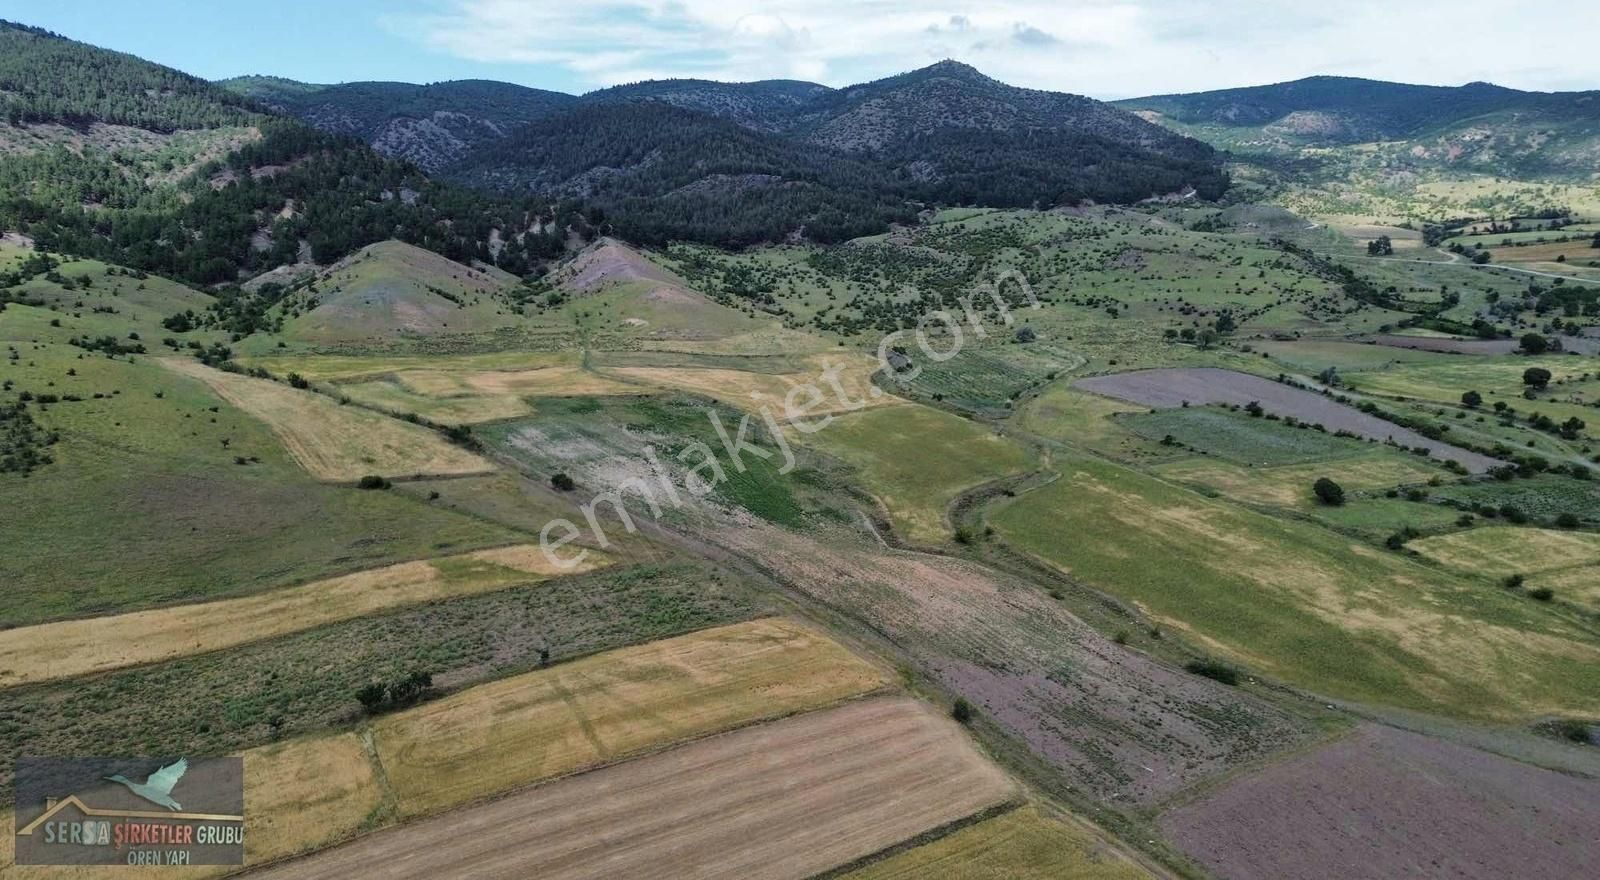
{"x": 1301, "y": 604}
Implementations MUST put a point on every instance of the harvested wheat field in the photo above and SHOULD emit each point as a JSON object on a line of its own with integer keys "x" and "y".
{"x": 1383, "y": 803}
{"x": 787, "y": 799}
{"x": 1168, "y": 388}
{"x": 1497, "y": 551}
{"x": 753, "y": 391}
{"x": 334, "y": 442}
{"x": 592, "y": 711}
{"x": 1020, "y": 845}
{"x": 547, "y": 382}
{"x": 49, "y": 651}
{"x": 1290, "y": 485}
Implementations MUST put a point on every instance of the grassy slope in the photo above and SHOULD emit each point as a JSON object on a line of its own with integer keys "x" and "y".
{"x": 1305, "y": 605}
{"x": 145, "y": 505}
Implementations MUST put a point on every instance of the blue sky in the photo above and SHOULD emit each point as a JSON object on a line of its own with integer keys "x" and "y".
{"x": 1103, "y": 48}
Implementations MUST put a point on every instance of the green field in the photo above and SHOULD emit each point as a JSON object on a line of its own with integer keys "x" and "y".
{"x": 1237, "y": 437}
{"x": 916, "y": 460}
{"x": 1304, "y": 605}
{"x": 160, "y": 492}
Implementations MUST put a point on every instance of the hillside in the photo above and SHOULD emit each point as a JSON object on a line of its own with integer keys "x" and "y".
{"x": 430, "y": 125}
{"x": 738, "y": 164}
{"x": 111, "y": 157}
{"x": 768, "y": 105}
{"x": 662, "y": 172}
{"x": 393, "y": 290}
{"x": 1478, "y": 126}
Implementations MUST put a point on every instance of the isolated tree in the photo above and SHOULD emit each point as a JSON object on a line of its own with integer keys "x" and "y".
{"x": 1382, "y": 247}
{"x": 1536, "y": 377}
{"x": 1472, "y": 400}
{"x": 1596, "y": 242}
{"x": 1328, "y": 492}
{"x": 1207, "y": 338}
{"x": 1481, "y": 257}
{"x": 1534, "y": 343}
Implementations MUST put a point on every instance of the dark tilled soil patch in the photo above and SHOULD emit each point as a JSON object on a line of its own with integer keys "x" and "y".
{"x": 1121, "y": 727}
{"x": 1384, "y": 803}
{"x": 1164, "y": 389}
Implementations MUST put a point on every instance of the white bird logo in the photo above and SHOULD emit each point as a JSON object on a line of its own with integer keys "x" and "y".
{"x": 157, "y": 788}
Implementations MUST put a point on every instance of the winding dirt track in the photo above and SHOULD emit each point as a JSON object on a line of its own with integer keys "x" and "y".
{"x": 782, "y": 800}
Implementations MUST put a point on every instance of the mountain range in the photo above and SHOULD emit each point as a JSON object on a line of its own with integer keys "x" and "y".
{"x": 1477, "y": 127}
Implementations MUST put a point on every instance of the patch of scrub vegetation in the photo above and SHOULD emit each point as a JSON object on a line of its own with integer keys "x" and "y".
{"x": 162, "y": 492}
{"x": 226, "y": 701}
{"x": 917, "y": 460}
{"x": 1541, "y": 498}
{"x": 1237, "y": 436}
{"x": 1294, "y": 601}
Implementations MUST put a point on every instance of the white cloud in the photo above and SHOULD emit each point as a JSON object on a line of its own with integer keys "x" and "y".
{"x": 1105, "y": 48}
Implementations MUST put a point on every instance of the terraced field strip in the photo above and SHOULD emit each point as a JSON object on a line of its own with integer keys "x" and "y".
{"x": 753, "y": 390}
{"x": 1290, "y": 485}
{"x": 1172, "y": 388}
{"x": 1020, "y": 845}
{"x": 332, "y": 367}
{"x": 780, "y": 801}
{"x": 1496, "y": 551}
{"x": 49, "y": 651}
{"x": 334, "y": 442}
{"x": 591, "y": 711}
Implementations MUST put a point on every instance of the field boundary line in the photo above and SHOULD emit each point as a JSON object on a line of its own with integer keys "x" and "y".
{"x": 930, "y": 836}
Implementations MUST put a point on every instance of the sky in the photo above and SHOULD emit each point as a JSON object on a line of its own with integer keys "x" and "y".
{"x": 1102, "y": 48}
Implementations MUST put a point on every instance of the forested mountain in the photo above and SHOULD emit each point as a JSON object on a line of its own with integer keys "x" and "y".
{"x": 768, "y": 105}
{"x": 942, "y": 134}
{"x": 659, "y": 171}
{"x": 170, "y": 174}
{"x": 44, "y": 78}
{"x": 1480, "y": 126}
{"x": 430, "y": 125}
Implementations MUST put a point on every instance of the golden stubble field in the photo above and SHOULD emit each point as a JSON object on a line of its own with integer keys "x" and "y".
{"x": 333, "y": 442}
{"x": 784, "y": 800}
{"x": 51, "y": 651}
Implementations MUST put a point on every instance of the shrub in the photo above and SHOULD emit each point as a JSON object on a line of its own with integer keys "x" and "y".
{"x": 298, "y": 381}
{"x": 1215, "y": 670}
{"x": 1567, "y": 520}
{"x": 1472, "y": 399}
{"x": 1543, "y": 594}
{"x": 1535, "y": 377}
{"x": 962, "y": 711}
{"x": 563, "y": 482}
{"x": 1328, "y": 492}
{"x": 372, "y": 481}
{"x": 1513, "y": 582}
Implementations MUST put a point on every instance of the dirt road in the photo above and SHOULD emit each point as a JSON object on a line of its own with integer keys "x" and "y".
{"x": 782, "y": 800}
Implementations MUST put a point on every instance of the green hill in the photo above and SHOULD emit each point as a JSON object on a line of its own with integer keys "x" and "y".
{"x": 394, "y": 290}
